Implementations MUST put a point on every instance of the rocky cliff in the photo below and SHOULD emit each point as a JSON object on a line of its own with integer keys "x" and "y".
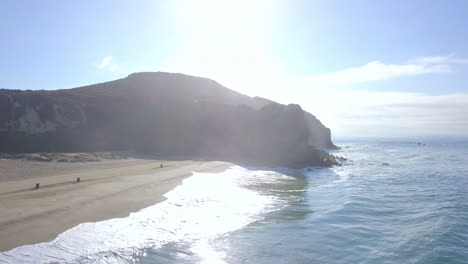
{"x": 165, "y": 114}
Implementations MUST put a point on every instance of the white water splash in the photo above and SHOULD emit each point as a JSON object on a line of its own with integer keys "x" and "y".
{"x": 206, "y": 205}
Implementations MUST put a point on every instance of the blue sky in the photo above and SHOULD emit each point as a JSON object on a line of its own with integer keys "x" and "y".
{"x": 376, "y": 68}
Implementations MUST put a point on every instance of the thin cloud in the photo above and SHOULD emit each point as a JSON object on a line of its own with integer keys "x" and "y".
{"x": 107, "y": 64}
{"x": 376, "y": 71}
{"x": 393, "y": 113}
{"x": 438, "y": 60}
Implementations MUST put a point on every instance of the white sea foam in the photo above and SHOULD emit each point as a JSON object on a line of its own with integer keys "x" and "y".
{"x": 343, "y": 175}
{"x": 206, "y": 205}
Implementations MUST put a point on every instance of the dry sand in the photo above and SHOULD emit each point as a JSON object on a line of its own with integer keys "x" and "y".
{"x": 108, "y": 189}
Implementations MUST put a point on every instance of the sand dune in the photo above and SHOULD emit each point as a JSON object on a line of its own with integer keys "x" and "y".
{"x": 107, "y": 189}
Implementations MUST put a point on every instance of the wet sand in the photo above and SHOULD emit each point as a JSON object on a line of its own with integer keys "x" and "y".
{"x": 107, "y": 189}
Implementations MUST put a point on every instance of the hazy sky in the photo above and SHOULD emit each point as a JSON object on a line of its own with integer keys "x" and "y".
{"x": 365, "y": 68}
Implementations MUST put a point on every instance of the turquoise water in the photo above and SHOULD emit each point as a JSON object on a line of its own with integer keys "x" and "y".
{"x": 413, "y": 210}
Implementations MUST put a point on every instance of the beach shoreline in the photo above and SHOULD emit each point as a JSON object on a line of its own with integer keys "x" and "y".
{"x": 107, "y": 189}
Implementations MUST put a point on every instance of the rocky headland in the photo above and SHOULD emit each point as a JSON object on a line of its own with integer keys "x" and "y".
{"x": 165, "y": 114}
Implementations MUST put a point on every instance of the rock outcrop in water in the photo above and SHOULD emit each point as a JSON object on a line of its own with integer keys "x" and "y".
{"x": 166, "y": 114}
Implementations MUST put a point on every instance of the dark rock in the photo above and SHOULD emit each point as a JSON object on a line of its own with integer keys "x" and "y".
{"x": 385, "y": 164}
{"x": 165, "y": 114}
{"x": 341, "y": 159}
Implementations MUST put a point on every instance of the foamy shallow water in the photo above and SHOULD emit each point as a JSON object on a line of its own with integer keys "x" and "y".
{"x": 204, "y": 207}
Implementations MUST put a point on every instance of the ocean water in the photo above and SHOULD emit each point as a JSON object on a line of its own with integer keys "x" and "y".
{"x": 394, "y": 201}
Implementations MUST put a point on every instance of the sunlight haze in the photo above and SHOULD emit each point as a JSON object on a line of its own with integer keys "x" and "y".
{"x": 357, "y": 69}
{"x": 234, "y": 131}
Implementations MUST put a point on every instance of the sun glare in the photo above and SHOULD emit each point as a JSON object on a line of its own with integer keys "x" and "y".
{"x": 236, "y": 18}
{"x": 227, "y": 41}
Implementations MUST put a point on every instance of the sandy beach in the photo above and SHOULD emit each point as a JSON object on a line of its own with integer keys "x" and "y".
{"x": 107, "y": 189}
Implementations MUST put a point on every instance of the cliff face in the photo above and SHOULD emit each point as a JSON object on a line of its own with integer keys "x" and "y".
{"x": 165, "y": 114}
